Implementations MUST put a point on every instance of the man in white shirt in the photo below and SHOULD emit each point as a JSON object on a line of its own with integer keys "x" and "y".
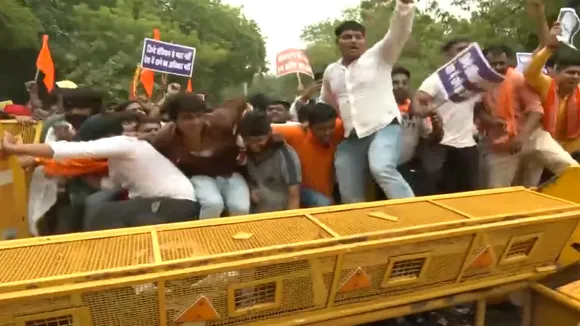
{"x": 158, "y": 191}
{"x": 358, "y": 86}
{"x": 456, "y": 160}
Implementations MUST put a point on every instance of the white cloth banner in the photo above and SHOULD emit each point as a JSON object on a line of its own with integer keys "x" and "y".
{"x": 523, "y": 59}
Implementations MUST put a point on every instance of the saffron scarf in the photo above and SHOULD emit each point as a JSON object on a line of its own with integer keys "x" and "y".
{"x": 552, "y": 106}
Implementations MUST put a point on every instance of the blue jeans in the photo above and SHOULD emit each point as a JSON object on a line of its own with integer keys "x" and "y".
{"x": 310, "y": 198}
{"x": 215, "y": 194}
{"x": 377, "y": 154}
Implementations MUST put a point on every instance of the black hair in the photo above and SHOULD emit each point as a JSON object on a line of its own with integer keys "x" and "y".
{"x": 82, "y": 98}
{"x": 320, "y": 113}
{"x": 550, "y": 63}
{"x": 183, "y": 102}
{"x": 349, "y": 25}
{"x": 147, "y": 119}
{"x": 565, "y": 58}
{"x": 144, "y": 119}
{"x": 260, "y": 101}
{"x": 401, "y": 70}
{"x": 285, "y": 104}
{"x": 302, "y": 112}
{"x": 120, "y": 107}
{"x": 254, "y": 124}
{"x": 498, "y": 49}
{"x": 102, "y": 125}
{"x": 451, "y": 43}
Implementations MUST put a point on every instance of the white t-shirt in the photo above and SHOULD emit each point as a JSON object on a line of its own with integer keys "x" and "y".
{"x": 413, "y": 129}
{"x": 134, "y": 165}
{"x": 457, "y": 118}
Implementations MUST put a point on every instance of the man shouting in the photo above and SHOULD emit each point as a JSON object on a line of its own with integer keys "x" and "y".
{"x": 359, "y": 86}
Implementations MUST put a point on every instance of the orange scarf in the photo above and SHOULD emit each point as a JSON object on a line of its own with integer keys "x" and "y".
{"x": 552, "y": 106}
{"x": 405, "y": 107}
{"x": 73, "y": 168}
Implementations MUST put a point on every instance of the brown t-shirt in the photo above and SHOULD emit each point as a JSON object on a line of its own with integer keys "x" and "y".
{"x": 212, "y": 147}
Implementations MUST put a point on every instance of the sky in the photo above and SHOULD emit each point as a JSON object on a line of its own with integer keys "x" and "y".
{"x": 282, "y": 21}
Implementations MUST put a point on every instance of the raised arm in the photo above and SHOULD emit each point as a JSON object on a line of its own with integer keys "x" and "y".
{"x": 326, "y": 94}
{"x": 533, "y": 72}
{"x": 537, "y": 80}
{"x": 537, "y": 11}
{"x": 399, "y": 32}
{"x": 227, "y": 115}
{"x": 306, "y": 95}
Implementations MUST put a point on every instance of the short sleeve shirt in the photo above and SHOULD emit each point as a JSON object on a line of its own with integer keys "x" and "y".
{"x": 458, "y": 124}
{"x": 272, "y": 176}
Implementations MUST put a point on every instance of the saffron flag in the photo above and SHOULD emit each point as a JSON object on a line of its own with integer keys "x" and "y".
{"x": 44, "y": 63}
{"x": 148, "y": 76}
{"x": 189, "y": 87}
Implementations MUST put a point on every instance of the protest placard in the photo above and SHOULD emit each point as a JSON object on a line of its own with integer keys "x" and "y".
{"x": 168, "y": 58}
{"x": 467, "y": 75}
{"x": 293, "y": 61}
{"x": 523, "y": 58}
{"x": 570, "y": 24}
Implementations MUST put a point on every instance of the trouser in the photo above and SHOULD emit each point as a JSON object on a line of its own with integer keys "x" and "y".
{"x": 525, "y": 168}
{"x": 378, "y": 153}
{"x": 417, "y": 177}
{"x": 547, "y": 174}
{"x": 215, "y": 194}
{"x": 96, "y": 200}
{"x": 453, "y": 169}
{"x": 140, "y": 212}
{"x": 311, "y": 198}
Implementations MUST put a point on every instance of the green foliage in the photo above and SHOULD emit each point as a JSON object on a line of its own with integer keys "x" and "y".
{"x": 98, "y": 43}
{"x": 488, "y": 22}
{"x": 18, "y": 26}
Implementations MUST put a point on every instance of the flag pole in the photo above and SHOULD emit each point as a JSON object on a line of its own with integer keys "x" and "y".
{"x": 300, "y": 87}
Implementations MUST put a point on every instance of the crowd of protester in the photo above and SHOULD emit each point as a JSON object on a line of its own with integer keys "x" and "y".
{"x": 359, "y": 133}
{"x": 137, "y": 162}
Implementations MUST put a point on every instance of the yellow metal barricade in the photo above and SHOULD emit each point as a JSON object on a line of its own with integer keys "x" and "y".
{"x": 30, "y": 133}
{"x": 14, "y": 182}
{"x": 13, "y": 198}
{"x": 339, "y": 265}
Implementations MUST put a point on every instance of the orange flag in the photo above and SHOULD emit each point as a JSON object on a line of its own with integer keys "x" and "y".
{"x": 148, "y": 76}
{"x": 189, "y": 87}
{"x": 44, "y": 63}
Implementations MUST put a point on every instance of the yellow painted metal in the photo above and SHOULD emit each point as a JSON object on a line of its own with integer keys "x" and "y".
{"x": 290, "y": 270}
{"x": 566, "y": 187}
{"x": 13, "y": 185}
{"x": 550, "y": 307}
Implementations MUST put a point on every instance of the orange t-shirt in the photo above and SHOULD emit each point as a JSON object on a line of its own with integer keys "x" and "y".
{"x": 316, "y": 160}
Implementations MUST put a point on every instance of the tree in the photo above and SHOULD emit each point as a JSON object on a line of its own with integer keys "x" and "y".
{"x": 98, "y": 43}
